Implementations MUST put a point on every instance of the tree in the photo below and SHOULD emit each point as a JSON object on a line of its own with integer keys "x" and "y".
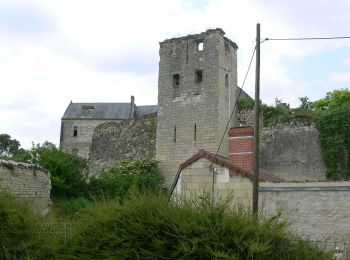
{"x": 336, "y": 98}
{"x": 305, "y": 103}
{"x": 8, "y": 146}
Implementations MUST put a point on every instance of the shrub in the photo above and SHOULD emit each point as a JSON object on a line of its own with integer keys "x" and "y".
{"x": 148, "y": 227}
{"x": 124, "y": 176}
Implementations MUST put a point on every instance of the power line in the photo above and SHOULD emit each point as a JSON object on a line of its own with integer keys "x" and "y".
{"x": 233, "y": 110}
{"x": 307, "y": 38}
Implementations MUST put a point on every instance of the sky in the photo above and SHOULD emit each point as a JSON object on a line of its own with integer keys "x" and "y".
{"x": 57, "y": 51}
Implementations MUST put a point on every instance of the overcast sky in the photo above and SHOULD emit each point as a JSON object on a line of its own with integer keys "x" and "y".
{"x": 52, "y": 52}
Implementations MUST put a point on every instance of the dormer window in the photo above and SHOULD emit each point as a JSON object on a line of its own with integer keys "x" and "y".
{"x": 88, "y": 107}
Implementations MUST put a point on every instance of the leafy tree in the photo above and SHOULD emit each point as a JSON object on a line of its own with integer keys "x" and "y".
{"x": 334, "y": 99}
{"x": 66, "y": 172}
{"x": 8, "y": 146}
{"x": 305, "y": 103}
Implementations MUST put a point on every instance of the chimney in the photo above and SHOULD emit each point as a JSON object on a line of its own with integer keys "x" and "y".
{"x": 241, "y": 147}
{"x": 132, "y": 107}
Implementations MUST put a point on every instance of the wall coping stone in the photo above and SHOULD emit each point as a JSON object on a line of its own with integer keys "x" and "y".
{"x": 11, "y": 164}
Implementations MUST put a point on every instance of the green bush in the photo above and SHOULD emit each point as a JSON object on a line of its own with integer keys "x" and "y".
{"x": 148, "y": 227}
{"x": 21, "y": 231}
{"x": 334, "y": 132}
{"x": 124, "y": 176}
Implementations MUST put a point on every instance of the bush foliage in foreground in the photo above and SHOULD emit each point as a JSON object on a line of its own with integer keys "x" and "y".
{"x": 22, "y": 235}
{"x": 124, "y": 177}
{"x": 147, "y": 227}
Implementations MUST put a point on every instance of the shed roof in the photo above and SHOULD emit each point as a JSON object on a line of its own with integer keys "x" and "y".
{"x": 264, "y": 176}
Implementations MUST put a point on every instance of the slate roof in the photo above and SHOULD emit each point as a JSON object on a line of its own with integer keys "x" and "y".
{"x": 145, "y": 110}
{"x": 104, "y": 111}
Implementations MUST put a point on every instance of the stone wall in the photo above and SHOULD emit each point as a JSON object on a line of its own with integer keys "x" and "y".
{"x": 292, "y": 151}
{"x": 319, "y": 209}
{"x": 244, "y": 117}
{"x": 27, "y": 181}
{"x": 130, "y": 139}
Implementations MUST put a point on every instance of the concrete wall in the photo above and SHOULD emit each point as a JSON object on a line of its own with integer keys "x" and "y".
{"x": 196, "y": 179}
{"x": 26, "y": 181}
{"x": 130, "y": 139}
{"x": 80, "y": 144}
{"x": 292, "y": 151}
{"x": 198, "y": 110}
{"x": 319, "y": 210}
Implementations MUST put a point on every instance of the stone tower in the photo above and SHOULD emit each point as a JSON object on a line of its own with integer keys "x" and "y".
{"x": 196, "y": 92}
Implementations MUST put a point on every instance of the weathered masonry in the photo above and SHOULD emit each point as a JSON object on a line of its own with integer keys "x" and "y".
{"x": 26, "y": 181}
{"x": 80, "y": 120}
{"x": 132, "y": 139}
{"x": 196, "y": 92}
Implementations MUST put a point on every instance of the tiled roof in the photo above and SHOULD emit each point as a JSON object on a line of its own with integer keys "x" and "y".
{"x": 264, "y": 176}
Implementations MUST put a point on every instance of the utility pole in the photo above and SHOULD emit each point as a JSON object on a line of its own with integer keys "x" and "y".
{"x": 256, "y": 125}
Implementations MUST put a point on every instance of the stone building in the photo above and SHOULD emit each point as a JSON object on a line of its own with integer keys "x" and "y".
{"x": 80, "y": 120}
{"x": 196, "y": 92}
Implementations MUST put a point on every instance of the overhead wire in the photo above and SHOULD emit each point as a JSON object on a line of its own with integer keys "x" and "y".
{"x": 307, "y": 38}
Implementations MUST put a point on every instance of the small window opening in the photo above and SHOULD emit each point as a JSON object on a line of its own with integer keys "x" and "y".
{"x": 226, "y": 81}
{"x": 176, "y": 80}
{"x": 200, "y": 45}
{"x": 198, "y": 75}
{"x": 174, "y": 134}
{"x": 195, "y": 132}
{"x": 75, "y": 131}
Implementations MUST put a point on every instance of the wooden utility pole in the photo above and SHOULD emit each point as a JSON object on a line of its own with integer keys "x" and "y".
{"x": 256, "y": 125}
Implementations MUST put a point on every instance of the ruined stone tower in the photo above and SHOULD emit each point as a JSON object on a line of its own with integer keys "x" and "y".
{"x": 196, "y": 92}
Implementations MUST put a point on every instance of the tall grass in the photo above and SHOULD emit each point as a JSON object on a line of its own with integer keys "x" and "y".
{"x": 22, "y": 234}
{"x": 148, "y": 227}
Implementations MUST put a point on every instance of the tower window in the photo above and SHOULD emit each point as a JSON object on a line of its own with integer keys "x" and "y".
{"x": 75, "y": 131}
{"x": 200, "y": 45}
{"x": 227, "y": 81}
{"x": 176, "y": 80}
{"x": 198, "y": 75}
{"x": 174, "y": 134}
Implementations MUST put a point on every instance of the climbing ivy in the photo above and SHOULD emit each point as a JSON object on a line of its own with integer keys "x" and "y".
{"x": 334, "y": 131}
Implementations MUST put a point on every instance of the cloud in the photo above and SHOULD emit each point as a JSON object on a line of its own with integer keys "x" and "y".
{"x": 23, "y": 19}
{"x": 340, "y": 77}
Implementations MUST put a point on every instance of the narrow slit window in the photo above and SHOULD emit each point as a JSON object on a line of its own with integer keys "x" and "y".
{"x": 227, "y": 83}
{"x": 174, "y": 134}
{"x": 75, "y": 131}
{"x": 176, "y": 80}
{"x": 198, "y": 74}
{"x": 195, "y": 132}
{"x": 187, "y": 54}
